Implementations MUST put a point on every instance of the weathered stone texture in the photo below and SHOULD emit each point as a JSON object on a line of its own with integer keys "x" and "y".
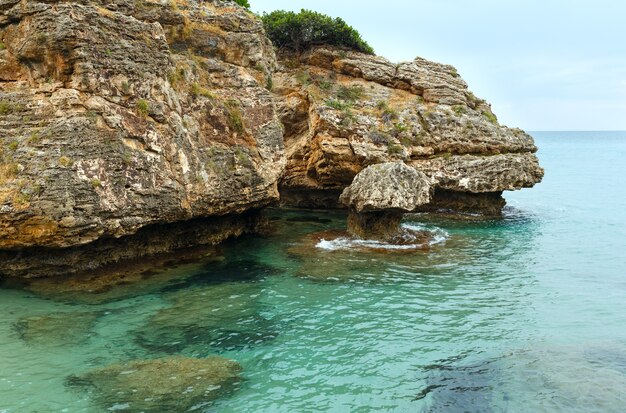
{"x": 115, "y": 115}
{"x": 343, "y": 111}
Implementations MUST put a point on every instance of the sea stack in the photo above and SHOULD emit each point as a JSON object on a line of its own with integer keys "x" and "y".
{"x": 380, "y": 195}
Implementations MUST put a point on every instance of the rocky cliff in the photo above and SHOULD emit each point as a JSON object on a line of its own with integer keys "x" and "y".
{"x": 343, "y": 111}
{"x": 133, "y": 128}
{"x": 117, "y": 115}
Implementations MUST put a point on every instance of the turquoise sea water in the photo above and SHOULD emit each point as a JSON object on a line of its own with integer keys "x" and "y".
{"x": 523, "y": 314}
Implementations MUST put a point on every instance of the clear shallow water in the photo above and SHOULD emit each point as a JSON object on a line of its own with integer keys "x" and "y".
{"x": 527, "y": 313}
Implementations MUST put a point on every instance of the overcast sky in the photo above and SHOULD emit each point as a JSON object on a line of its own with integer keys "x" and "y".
{"x": 543, "y": 64}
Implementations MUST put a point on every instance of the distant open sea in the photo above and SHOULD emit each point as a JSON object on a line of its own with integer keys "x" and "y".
{"x": 521, "y": 314}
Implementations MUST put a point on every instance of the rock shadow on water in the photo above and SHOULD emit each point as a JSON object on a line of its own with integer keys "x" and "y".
{"x": 452, "y": 386}
{"x": 223, "y": 317}
{"x": 123, "y": 281}
{"x": 243, "y": 268}
{"x": 57, "y": 329}
{"x": 173, "y": 384}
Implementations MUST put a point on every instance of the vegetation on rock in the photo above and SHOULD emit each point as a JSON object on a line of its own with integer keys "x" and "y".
{"x": 301, "y": 31}
{"x": 243, "y": 3}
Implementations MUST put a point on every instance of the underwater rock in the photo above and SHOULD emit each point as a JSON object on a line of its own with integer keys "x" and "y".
{"x": 57, "y": 329}
{"x": 561, "y": 378}
{"x": 174, "y": 384}
{"x": 379, "y": 195}
{"x": 224, "y": 316}
{"x": 124, "y": 281}
{"x": 334, "y": 255}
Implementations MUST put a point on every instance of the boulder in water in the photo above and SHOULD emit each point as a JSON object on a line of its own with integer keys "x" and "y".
{"x": 174, "y": 384}
{"x": 378, "y": 197}
{"x": 56, "y": 329}
{"x": 223, "y": 316}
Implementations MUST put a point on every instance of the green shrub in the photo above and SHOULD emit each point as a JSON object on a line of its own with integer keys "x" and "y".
{"x": 490, "y": 117}
{"x": 197, "y": 90}
{"x": 382, "y": 105}
{"x": 301, "y": 31}
{"x": 350, "y": 93}
{"x": 243, "y": 3}
{"x": 5, "y": 107}
{"x": 399, "y": 128}
{"x": 324, "y": 84}
{"x": 394, "y": 149}
{"x": 143, "y": 107}
{"x": 337, "y": 104}
{"x": 234, "y": 116}
{"x": 459, "y": 110}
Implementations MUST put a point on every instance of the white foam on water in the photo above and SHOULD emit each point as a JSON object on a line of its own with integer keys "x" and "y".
{"x": 439, "y": 235}
{"x": 344, "y": 243}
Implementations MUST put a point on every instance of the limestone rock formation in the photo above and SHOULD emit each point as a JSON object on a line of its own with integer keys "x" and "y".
{"x": 387, "y": 186}
{"x": 380, "y": 194}
{"x": 119, "y": 115}
{"x": 343, "y": 111}
{"x": 131, "y": 128}
{"x": 174, "y": 384}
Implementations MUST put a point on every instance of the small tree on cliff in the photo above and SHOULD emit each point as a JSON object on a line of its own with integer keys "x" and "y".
{"x": 243, "y": 3}
{"x": 301, "y": 31}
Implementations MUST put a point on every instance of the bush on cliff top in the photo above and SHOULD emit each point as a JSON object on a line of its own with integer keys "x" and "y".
{"x": 301, "y": 31}
{"x": 243, "y": 3}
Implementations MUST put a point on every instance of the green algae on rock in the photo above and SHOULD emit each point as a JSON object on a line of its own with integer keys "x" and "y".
{"x": 58, "y": 329}
{"x": 174, "y": 384}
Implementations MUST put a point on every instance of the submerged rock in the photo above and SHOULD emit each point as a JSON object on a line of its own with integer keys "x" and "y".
{"x": 124, "y": 281}
{"x": 224, "y": 316}
{"x": 378, "y": 197}
{"x": 174, "y": 384}
{"x": 58, "y": 329}
{"x": 577, "y": 378}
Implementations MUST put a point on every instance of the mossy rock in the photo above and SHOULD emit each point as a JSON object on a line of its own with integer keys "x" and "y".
{"x": 104, "y": 286}
{"x": 226, "y": 316}
{"x": 174, "y": 384}
{"x": 57, "y": 329}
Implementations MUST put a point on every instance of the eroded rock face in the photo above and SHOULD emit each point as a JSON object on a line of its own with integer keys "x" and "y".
{"x": 387, "y": 186}
{"x": 343, "y": 111}
{"x": 117, "y": 115}
{"x": 174, "y": 384}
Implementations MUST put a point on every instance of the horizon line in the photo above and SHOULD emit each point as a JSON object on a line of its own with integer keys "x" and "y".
{"x": 575, "y": 130}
